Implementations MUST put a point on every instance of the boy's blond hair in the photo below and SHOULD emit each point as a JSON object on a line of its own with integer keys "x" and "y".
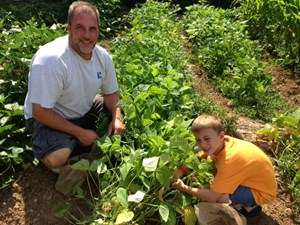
{"x": 207, "y": 121}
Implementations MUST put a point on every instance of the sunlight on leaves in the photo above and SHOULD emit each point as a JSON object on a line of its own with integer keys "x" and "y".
{"x": 163, "y": 176}
{"x": 150, "y": 164}
{"x": 164, "y": 212}
{"x": 98, "y": 166}
{"x": 188, "y": 215}
{"x": 124, "y": 217}
{"x": 137, "y": 197}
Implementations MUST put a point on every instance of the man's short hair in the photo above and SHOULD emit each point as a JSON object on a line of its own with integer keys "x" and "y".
{"x": 84, "y": 7}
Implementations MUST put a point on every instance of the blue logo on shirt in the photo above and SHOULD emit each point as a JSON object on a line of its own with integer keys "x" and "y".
{"x": 99, "y": 75}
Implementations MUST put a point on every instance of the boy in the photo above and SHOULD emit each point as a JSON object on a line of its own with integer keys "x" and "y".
{"x": 245, "y": 175}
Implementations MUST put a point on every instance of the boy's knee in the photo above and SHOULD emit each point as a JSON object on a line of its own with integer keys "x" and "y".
{"x": 57, "y": 158}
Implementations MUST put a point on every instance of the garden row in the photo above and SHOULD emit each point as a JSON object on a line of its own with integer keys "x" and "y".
{"x": 159, "y": 102}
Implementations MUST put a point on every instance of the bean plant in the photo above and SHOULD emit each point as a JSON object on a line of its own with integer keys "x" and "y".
{"x": 19, "y": 41}
{"x": 284, "y": 132}
{"x": 222, "y": 45}
{"x": 276, "y": 23}
{"x": 133, "y": 175}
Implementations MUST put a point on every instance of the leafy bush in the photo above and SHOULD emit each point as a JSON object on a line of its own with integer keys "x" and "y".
{"x": 12, "y": 149}
{"x": 111, "y": 20}
{"x": 17, "y": 46}
{"x": 56, "y": 12}
{"x": 48, "y": 12}
{"x": 284, "y": 131}
{"x": 132, "y": 177}
{"x": 277, "y": 25}
{"x": 223, "y": 47}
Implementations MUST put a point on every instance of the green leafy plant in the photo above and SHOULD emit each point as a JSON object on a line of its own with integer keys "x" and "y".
{"x": 18, "y": 43}
{"x": 134, "y": 173}
{"x": 222, "y": 46}
{"x": 277, "y": 25}
{"x": 11, "y": 145}
{"x": 285, "y": 133}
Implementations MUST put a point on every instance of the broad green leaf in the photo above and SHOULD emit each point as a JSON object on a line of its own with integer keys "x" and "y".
{"x": 124, "y": 217}
{"x": 164, "y": 158}
{"x": 145, "y": 181}
{"x": 155, "y": 116}
{"x": 83, "y": 165}
{"x": 116, "y": 143}
{"x": 16, "y": 151}
{"x": 163, "y": 176}
{"x": 6, "y": 128}
{"x": 154, "y": 90}
{"x": 172, "y": 216}
{"x": 289, "y": 120}
{"x": 124, "y": 170}
{"x": 164, "y": 212}
{"x": 94, "y": 165}
{"x": 102, "y": 168}
{"x": 104, "y": 143}
{"x": 131, "y": 113}
{"x": 3, "y": 120}
{"x": 154, "y": 71}
{"x": 61, "y": 212}
{"x": 147, "y": 122}
{"x": 131, "y": 67}
{"x": 150, "y": 164}
{"x": 188, "y": 215}
{"x": 122, "y": 197}
{"x": 3, "y": 153}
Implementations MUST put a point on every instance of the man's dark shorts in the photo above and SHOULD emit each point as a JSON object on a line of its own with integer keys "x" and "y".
{"x": 46, "y": 140}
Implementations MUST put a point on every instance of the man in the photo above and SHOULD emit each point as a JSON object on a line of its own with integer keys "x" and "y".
{"x": 62, "y": 105}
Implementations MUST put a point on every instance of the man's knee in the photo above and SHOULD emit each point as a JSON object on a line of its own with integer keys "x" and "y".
{"x": 57, "y": 158}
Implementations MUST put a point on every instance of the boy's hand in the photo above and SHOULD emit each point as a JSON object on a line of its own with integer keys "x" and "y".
{"x": 178, "y": 184}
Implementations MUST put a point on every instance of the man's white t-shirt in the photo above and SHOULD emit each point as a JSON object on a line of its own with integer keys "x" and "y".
{"x": 61, "y": 80}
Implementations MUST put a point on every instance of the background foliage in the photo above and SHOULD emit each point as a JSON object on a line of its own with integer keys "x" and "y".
{"x": 276, "y": 23}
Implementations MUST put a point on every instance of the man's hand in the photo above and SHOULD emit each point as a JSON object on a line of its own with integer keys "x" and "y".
{"x": 116, "y": 127}
{"x": 87, "y": 137}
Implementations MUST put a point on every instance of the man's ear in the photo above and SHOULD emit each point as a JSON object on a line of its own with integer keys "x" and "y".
{"x": 68, "y": 28}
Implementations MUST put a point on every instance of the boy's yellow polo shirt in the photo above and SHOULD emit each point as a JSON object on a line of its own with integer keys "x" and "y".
{"x": 243, "y": 163}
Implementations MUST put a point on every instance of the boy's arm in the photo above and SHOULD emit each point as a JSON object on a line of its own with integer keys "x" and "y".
{"x": 204, "y": 194}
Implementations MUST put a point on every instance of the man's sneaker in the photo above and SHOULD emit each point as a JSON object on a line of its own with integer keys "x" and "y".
{"x": 69, "y": 179}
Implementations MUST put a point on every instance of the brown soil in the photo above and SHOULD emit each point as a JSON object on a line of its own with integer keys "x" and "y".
{"x": 32, "y": 198}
